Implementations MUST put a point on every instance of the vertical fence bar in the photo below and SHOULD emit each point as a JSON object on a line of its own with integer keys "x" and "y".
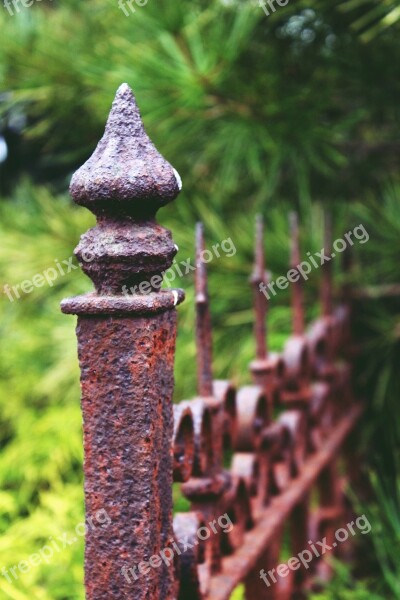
{"x": 267, "y": 367}
{"x": 330, "y": 502}
{"x": 299, "y": 541}
{"x": 207, "y": 488}
{"x": 258, "y": 278}
{"x": 264, "y": 370}
{"x": 203, "y": 321}
{"x": 299, "y": 521}
{"x": 126, "y": 342}
{"x": 326, "y": 287}
{"x": 297, "y": 288}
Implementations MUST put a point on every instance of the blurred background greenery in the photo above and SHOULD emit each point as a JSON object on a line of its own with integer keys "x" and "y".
{"x": 299, "y": 109}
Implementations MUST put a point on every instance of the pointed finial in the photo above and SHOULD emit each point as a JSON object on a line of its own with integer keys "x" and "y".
{"x": 297, "y": 289}
{"x": 126, "y": 173}
{"x": 259, "y": 278}
{"x": 203, "y": 320}
{"x": 259, "y": 258}
{"x": 326, "y": 282}
{"x": 124, "y": 183}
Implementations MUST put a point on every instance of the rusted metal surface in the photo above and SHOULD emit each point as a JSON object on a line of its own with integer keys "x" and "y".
{"x": 214, "y": 411}
{"x": 326, "y": 287}
{"x": 252, "y": 407}
{"x": 235, "y": 568}
{"x": 126, "y": 349}
{"x": 126, "y": 174}
{"x": 203, "y": 321}
{"x": 225, "y": 393}
{"x": 277, "y": 462}
{"x": 183, "y": 443}
{"x": 260, "y": 276}
{"x": 297, "y": 390}
{"x": 268, "y": 368}
{"x": 255, "y": 456}
{"x": 195, "y": 563}
{"x": 297, "y": 288}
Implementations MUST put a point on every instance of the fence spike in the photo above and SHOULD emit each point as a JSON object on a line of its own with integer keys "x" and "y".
{"x": 126, "y": 343}
{"x": 347, "y": 264}
{"x": 297, "y": 288}
{"x": 326, "y": 281}
{"x": 259, "y": 277}
{"x": 203, "y": 320}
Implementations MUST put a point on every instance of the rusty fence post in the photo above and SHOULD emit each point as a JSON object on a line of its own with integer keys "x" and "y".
{"x": 126, "y": 342}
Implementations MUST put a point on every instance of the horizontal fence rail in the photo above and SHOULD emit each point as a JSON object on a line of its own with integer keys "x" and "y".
{"x": 263, "y": 466}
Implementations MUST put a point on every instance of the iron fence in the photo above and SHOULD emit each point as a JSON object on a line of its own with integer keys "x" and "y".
{"x": 260, "y": 465}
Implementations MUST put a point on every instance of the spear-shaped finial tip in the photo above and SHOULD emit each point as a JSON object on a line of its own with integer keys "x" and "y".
{"x": 126, "y": 173}
{"x": 293, "y": 222}
{"x": 203, "y": 320}
{"x": 201, "y": 273}
{"x": 327, "y": 283}
{"x": 259, "y": 279}
{"x": 259, "y": 275}
{"x": 295, "y": 259}
{"x": 294, "y": 237}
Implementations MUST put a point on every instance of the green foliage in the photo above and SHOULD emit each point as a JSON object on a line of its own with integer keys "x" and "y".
{"x": 40, "y": 463}
{"x": 373, "y": 17}
{"x": 377, "y": 329}
{"x": 238, "y": 594}
{"x": 251, "y": 107}
{"x": 344, "y": 587}
{"x": 256, "y": 113}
